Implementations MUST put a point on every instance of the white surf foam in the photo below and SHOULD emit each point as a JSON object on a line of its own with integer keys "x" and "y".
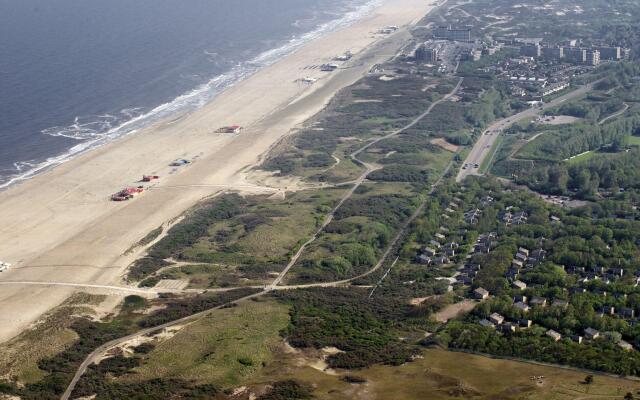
{"x": 97, "y": 131}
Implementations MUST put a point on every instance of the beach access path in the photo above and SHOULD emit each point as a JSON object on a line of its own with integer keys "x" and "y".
{"x": 61, "y": 227}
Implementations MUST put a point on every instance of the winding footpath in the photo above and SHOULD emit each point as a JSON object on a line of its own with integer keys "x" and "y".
{"x": 275, "y": 284}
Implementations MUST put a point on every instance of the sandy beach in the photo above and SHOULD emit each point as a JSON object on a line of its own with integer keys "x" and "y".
{"x": 61, "y": 226}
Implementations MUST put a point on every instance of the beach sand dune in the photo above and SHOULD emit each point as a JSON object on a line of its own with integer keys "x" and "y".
{"x": 61, "y": 226}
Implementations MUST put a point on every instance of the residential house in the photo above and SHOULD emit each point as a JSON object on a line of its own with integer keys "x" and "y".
{"x": 521, "y": 306}
{"x": 607, "y": 310}
{"x": 429, "y": 251}
{"x": 575, "y": 270}
{"x": 487, "y": 324}
{"x": 521, "y": 257}
{"x": 519, "y": 297}
{"x": 625, "y": 345}
{"x": 496, "y": 318}
{"x": 538, "y": 301}
{"x": 482, "y": 248}
{"x": 507, "y": 328}
{"x": 472, "y": 267}
{"x": 538, "y": 255}
{"x": 626, "y": 312}
{"x": 553, "y": 335}
{"x": 424, "y": 260}
{"x": 519, "y": 218}
{"x": 519, "y": 285}
{"x": 441, "y": 260}
{"x": 480, "y": 294}
{"x": 591, "y": 334}
{"x": 525, "y": 323}
{"x": 618, "y": 272}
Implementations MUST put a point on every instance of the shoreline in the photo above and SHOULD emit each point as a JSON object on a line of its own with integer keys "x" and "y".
{"x": 60, "y": 225}
{"x": 206, "y": 92}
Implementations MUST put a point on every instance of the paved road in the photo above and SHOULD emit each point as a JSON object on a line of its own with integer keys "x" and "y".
{"x": 482, "y": 148}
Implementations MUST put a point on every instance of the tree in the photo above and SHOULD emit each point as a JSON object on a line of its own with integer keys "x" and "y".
{"x": 628, "y": 396}
{"x": 588, "y": 379}
{"x": 558, "y": 179}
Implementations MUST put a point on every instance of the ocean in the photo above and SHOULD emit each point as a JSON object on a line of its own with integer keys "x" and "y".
{"x": 76, "y": 74}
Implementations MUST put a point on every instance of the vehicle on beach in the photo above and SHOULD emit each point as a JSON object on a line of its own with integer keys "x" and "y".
{"x": 345, "y": 57}
{"x": 230, "y": 129}
{"x": 149, "y": 178}
{"x": 329, "y": 67}
{"x": 4, "y": 266}
{"x": 127, "y": 193}
{"x": 179, "y": 163}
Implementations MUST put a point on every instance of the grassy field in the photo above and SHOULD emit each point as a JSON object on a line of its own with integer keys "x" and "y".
{"x": 285, "y": 222}
{"x": 19, "y": 357}
{"x": 632, "y": 140}
{"x": 582, "y": 157}
{"x": 448, "y": 375}
{"x": 202, "y": 276}
{"x": 249, "y": 247}
{"x": 489, "y": 159}
{"x": 225, "y": 348}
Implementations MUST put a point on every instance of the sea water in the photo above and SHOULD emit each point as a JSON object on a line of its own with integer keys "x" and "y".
{"x": 76, "y": 74}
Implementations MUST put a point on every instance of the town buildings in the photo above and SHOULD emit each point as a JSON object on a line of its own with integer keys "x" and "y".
{"x": 426, "y": 54}
{"x": 456, "y": 34}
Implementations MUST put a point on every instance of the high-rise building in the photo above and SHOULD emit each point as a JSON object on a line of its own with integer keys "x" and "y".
{"x": 553, "y": 53}
{"x": 471, "y": 55}
{"x": 455, "y": 34}
{"x": 610, "y": 53}
{"x": 575, "y": 54}
{"x": 531, "y": 50}
{"x": 593, "y": 57}
{"x": 426, "y": 54}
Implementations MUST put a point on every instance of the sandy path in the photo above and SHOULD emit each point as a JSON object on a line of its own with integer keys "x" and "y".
{"x": 453, "y": 310}
{"x": 60, "y": 226}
